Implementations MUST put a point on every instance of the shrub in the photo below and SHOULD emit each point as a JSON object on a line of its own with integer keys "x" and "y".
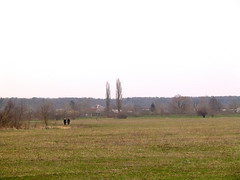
{"x": 122, "y": 116}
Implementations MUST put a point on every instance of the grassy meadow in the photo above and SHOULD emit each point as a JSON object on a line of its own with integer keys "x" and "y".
{"x": 133, "y": 148}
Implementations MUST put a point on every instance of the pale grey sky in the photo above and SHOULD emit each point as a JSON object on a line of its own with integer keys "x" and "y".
{"x": 60, "y": 48}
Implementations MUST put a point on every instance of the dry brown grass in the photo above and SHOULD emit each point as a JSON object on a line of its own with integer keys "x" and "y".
{"x": 134, "y": 148}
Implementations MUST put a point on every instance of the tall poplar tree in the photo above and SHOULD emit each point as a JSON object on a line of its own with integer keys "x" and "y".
{"x": 119, "y": 95}
{"x": 108, "y": 98}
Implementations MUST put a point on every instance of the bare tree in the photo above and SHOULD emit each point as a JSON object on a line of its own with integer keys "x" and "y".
{"x": 6, "y": 115}
{"x": 152, "y": 108}
{"x": 161, "y": 108}
{"x": 45, "y": 111}
{"x": 180, "y": 104}
{"x": 1, "y": 103}
{"x": 119, "y": 95}
{"x": 202, "y": 107}
{"x": 202, "y": 111}
{"x": 214, "y": 106}
{"x": 12, "y": 115}
{"x": 19, "y": 113}
{"x": 108, "y": 98}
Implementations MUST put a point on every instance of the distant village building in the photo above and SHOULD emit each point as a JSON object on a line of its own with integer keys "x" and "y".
{"x": 97, "y": 110}
{"x": 238, "y": 110}
{"x": 115, "y": 111}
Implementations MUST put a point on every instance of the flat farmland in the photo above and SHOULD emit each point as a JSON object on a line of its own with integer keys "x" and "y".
{"x": 133, "y": 148}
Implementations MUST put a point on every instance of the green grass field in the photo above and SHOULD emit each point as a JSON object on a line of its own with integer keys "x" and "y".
{"x": 133, "y": 148}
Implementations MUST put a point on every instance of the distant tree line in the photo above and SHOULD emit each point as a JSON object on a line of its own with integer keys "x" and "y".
{"x": 20, "y": 112}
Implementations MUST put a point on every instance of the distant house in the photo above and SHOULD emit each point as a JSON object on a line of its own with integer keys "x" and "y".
{"x": 224, "y": 110}
{"x": 97, "y": 109}
{"x": 115, "y": 111}
{"x": 238, "y": 110}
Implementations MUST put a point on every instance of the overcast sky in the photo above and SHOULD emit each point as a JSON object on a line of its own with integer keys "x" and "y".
{"x": 56, "y": 48}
